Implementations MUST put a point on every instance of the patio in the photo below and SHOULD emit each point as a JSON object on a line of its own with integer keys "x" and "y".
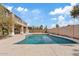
{"x": 8, "y": 47}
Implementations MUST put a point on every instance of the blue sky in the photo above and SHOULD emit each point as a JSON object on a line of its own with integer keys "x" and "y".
{"x": 46, "y": 14}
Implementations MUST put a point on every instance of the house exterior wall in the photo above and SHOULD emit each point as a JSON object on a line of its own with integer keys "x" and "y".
{"x": 9, "y": 21}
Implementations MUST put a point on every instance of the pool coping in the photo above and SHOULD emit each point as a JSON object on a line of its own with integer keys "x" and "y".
{"x": 76, "y": 40}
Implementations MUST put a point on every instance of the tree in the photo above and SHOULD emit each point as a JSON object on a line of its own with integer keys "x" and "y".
{"x": 41, "y": 27}
{"x": 5, "y": 20}
{"x": 57, "y": 26}
{"x": 74, "y": 13}
{"x": 45, "y": 29}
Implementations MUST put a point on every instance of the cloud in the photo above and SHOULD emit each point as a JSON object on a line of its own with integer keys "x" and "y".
{"x": 20, "y": 9}
{"x": 63, "y": 15}
{"x": 73, "y": 4}
{"x": 60, "y": 20}
{"x": 56, "y": 11}
{"x": 65, "y": 10}
{"x": 31, "y": 14}
{"x": 37, "y": 11}
{"x": 25, "y": 9}
{"x": 63, "y": 22}
{"x": 9, "y": 7}
{"x": 36, "y": 14}
{"x": 53, "y": 18}
{"x": 73, "y": 21}
{"x": 53, "y": 26}
{"x": 33, "y": 17}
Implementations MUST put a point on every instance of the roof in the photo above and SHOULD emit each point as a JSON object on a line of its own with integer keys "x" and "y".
{"x": 13, "y": 13}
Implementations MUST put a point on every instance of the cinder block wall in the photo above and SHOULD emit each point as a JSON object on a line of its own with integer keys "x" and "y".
{"x": 69, "y": 31}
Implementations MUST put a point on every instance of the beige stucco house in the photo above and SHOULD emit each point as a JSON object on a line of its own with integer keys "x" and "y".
{"x": 11, "y": 22}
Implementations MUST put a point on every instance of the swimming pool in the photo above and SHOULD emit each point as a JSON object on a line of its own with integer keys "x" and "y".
{"x": 45, "y": 39}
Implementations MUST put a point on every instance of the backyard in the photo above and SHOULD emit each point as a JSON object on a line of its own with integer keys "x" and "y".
{"x": 39, "y": 30}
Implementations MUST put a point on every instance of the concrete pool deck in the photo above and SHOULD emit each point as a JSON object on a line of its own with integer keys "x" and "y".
{"x": 9, "y": 48}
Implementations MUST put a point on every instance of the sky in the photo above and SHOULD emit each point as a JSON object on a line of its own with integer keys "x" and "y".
{"x": 46, "y": 14}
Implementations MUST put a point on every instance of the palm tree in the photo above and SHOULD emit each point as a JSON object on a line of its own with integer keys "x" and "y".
{"x": 74, "y": 13}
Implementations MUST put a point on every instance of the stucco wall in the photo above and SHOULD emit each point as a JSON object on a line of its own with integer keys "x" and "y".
{"x": 36, "y": 31}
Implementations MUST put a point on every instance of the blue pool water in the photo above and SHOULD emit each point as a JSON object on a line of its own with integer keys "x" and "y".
{"x": 45, "y": 39}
